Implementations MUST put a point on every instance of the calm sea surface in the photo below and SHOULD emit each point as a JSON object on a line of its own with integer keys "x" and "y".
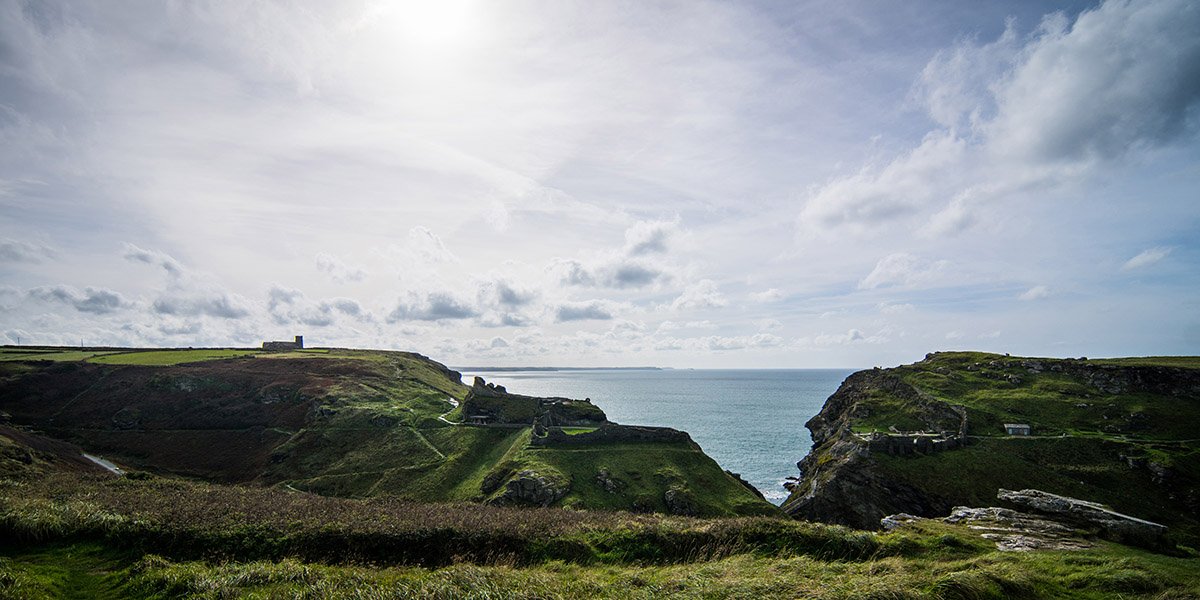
{"x": 750, "y": 421}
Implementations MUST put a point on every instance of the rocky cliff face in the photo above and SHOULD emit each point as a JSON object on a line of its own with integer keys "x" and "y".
{"x": 1119, "y": 432}
{"x": 841, "y": 483}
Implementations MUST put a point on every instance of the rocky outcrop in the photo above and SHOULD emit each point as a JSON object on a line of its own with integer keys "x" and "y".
{"x": 489, "y": 403}
{"x": 1011, "y": 531}
{"x": 530, "y": 488}
{"x": 680, "y": 502}
{"x": 1104, "y": 521}
{"x": 1051, "y": 522}
{"x": 840, "y": 483}
{"x": 860, "y": 468}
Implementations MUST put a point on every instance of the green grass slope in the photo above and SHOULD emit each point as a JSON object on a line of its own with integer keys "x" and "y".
{"x": 68, "y": 536}
{"x": 1123, "y": 432}
{"x": 349, "y": 423}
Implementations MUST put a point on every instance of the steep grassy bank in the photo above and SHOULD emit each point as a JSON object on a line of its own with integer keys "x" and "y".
{"x": 349, "y": 423}
{"x": 1119, "y": 431}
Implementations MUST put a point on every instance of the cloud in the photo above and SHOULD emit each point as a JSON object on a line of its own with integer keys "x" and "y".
{"x": 434, "y": 306}
{"x": 649, "y": 237}
{"x": 702, "y": 294}
{"x": 92, "y": 300}
{"x": 888, "y": 308}
{"x": 18, "y": 251}
{"x": 598, "y": 310}
{"x": 758, "y": 340}
{"x": 1036, "y": 292}
{"x": 211, "y": 303}
{"x": 618, "y": 273}
{"x": 503, "y": 293}
{"x": 675, "y": 325}
{"x": 428, "y": 246}
{"x": 767, "y": 296}
{"x": 1146, "y": 258}
{"x": 638, "y": 264}
{"x": 852, "y": 336}
{"x": 339, "y": 271}
{"x": 188, "y": 294}
{"x": 633, "y": 275}
{"x": 901, "y": 270}
{"x": 290, "y": 306}
{"x": 1019, "y": 115}
{"x": 152, "y": 257}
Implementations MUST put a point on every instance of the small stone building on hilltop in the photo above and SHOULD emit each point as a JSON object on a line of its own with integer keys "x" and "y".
{"x": 296, "y": 345}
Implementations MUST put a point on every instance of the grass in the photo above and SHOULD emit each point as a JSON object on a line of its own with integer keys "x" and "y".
{"x": 577, "y": 430}
{"x": 164, "y": 358}
{"x": 147, "y": 539}
{"x": 1103, "y": 431}
{"x": 9, "y": 354}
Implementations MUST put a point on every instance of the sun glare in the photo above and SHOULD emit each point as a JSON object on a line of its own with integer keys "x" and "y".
{"x": 435, "y": 23}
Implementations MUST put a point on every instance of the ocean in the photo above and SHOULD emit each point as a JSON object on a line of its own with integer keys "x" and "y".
{"x": 750, "y": 421}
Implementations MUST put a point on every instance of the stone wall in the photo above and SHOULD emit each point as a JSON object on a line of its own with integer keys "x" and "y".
{"x": 611, "y": 433}
{"x": 909, "y": 444}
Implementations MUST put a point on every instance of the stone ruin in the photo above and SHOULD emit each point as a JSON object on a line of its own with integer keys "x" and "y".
{"x": 284, "y": 346}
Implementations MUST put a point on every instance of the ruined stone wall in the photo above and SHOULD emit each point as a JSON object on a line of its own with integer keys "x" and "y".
{"x": 612, "y": 433}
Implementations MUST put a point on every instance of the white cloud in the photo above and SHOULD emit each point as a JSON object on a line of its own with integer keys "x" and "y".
{"x": 702, "y": 294}
{"x": 1146, "y": 258}
{"x": 767, "y": 296}
{"x": 1011, "y": 120}
{"x": 433, "y": 306}
{"x": 98, "y": 301}
{"x": 152, "y": 257}
{"x": 888, "y": 308}
{"x": 852, "y": 336}
{"x": 18, "y": 251}
{"x": 902, "y": 270}
{"x": 593, "y": 310}
{"x": 1036, "y": 292}
{"x": 339, "y": 271}
{"x": 290, "y": 306}
{"x": 650, "y": 237}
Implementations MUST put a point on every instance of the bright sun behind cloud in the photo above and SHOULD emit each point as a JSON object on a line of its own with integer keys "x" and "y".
{"x": 441, "y": 23}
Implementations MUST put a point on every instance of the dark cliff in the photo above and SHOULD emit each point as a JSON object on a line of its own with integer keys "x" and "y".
{"x": 923, "y": 438}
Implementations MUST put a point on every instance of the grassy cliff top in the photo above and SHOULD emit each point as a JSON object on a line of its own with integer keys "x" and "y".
{"x": 1124, "y": 432}
{"x": 340, "y": 422}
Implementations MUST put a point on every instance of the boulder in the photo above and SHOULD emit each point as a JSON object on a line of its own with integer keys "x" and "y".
{"x": 680, "y": 502}
{"x": 530, "y": 488}
{"x": 1108, "y": 523}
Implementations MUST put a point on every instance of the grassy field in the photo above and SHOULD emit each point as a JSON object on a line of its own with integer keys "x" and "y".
{"x": 348, "y": 423}
{"x": 11, "y": 353}
{"x": 147, "y": 538}
{"x": 164, "y": 358}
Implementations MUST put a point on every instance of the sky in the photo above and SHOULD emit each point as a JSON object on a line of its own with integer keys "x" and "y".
{"x": 679, "y": 184}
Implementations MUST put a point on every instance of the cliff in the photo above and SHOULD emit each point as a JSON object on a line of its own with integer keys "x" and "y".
{"x": 348, "y": 423}
{"x": 924, "y": 438}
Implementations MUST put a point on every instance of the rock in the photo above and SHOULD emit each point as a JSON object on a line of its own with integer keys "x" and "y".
{"x": 1109, "y": 524}
{"x": 610, "y": 484}
{"x": 1019, "y": 532}
{"x": 530, "y": 488}
{"x": 896, "y": 521}
{"x": 1010, "y": 530}
{"x": 680, "y": 502}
